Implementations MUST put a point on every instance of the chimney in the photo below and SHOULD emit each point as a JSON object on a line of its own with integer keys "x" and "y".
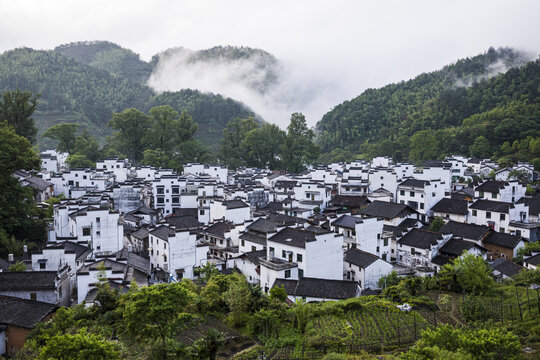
{"x": 11, "y": 258}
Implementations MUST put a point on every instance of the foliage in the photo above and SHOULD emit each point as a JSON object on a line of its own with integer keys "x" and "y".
{"x": 389, "y": 280}
{"x": 131, "y": 137}
{"x": 527, "y": 277}
{"x": 16, "y": 109}
{"x": 436, "y": 224}
{"x": 18, "y": 266}
{"x": 473, "y": 308}
{"x": 298, "y": 148}
{"x": 77, "y": 161}
{"x": 65, "y": 134}
{"x": 466, "y": 111}
{"x": 232, "y": 151}
{"x": 79, "y": 346}
{"x": 469, "y": 273}
{"x": 278, "y": 292}
{"x": 481, "y": 343}
{"x": 528, "y": 249}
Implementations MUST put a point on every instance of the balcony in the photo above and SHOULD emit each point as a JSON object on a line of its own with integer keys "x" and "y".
{"x": 277, "y": 264}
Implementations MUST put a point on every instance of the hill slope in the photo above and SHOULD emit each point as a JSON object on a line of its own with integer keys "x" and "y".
{"x": 75, "y": 92}
{"x": 438, "y": 100}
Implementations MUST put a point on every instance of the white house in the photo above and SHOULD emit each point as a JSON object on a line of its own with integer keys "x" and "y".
{"x": 365, "y": 268}
{"x": 421, "y": 195}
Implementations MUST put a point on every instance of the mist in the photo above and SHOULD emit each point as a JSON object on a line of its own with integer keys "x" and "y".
{"x": 273, "y": 91}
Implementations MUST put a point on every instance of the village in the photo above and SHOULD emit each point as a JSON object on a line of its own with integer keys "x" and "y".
{"x": 329, "y": 233}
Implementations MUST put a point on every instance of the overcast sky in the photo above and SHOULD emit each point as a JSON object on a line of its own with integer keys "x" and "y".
{"x": 359, "y": 44}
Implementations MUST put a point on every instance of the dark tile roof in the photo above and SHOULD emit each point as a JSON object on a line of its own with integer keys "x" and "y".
{"x": 456, "y": 195}
{"x": 186, "y": 211}
{"x": 466, "y": 231}
{"x": 506, "y": 267}
{"x": 132, "y": 218}
{"x": 532, "y": 203}
{"x": 349, "y": 201}
{"x": 451, "y": 206}
{"x": 410, "y": 182}
{"x": 145, "y": 210}
{"x": 163, "y": 232}
{"x": 491, "y": 186}
{"x": 81, "y": 251}
{"x": 455, "y": 247}
{"x": 183, "y": 222}
{"x": 286, "y": 220}
{"x": 320, "y": 288}
{"x": 419, "y": 238}
{"x": 504, "y": 240}
{"x": 293, "y": 237}
{"x": 235, "y": 204}
{"x": 141, "y": 233}
{"x": 409, "y": 223}
{"x": 219, "y": 228}
{"x": 263, "y": 226}
{"x": 273, "y": 206}
{"x": 38, "y": 183}
{"x": 4, "y": 264}
{"x": 360, "y": 258}
{"x": 387, "y": 210}
{"x": 28, "y": 280}
{"x": 23, "y": 313}
{"x": 109, "y": 264}
{"x": 136, "y": 261}
{"x": 254, "y": 256}
{"x": 347, "y": 221}
{"x": 489, "y": 205}
{"x": 255, "y": 238}
{"x": 288, "y": 285}
{"x": 441, "y": 260}
{"x": 533, "y": 260}
{"x": 396, "y": 231}
{"x": 285, "y": 184}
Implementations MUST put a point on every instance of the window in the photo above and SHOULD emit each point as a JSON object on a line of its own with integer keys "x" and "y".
{"x": 385, "y": 243}
{"x": 402, "y": 192}
{"x": 488, "y": 214}
{"x": 481, "y": 194}
{"x": 401, "y": 201}
{"x": 474, "y": 213}
{"x": 42, "y": 265}
{"x": 378, "y": 236}
{"x": 493, "y": 195}
{"x": 164, "y": 245}
{"x": 287, "y": 274}
{"x": 160, "y": 200}
{"x": 412, "y": 193}
{"x": 201, "y": 212}
{"x": 33, "y": 296}
{"x": 432, "y": 194}
{"x": 503, "y": 216}
{"x": 70, "y": 182}
{"x": 271, "y": 251}
{"x": 501, "y": 230}
{"x": 253, "y": 248}
{"x": 421, "y": 205}
{"x": 175, "y": 200}
{"x": 299, "y": 257}
{"x": 412, "y": 251}
{"x": 243, "y": 243}
{"x": 283, "y": 254}
{"x": 86, "y": 231}
{"x": 160, "y": 190}
{"x": 300, "y": 273}
{"x": 175, "y": 190}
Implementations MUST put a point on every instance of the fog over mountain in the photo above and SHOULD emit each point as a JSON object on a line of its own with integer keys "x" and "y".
{"x": 271, "y": 88}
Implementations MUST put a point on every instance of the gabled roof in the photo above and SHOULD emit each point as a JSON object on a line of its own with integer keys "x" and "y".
{"x": 418, "y": 238}
{"x": 163, "y": 232}
{"x": 451, "y": 206}
{"x": 234, "y": 204}
{"x": 409, "y": 223}
{"x": 219, "y": 228}
{"x": 23, "y": 313}
{"x": 491, "y": 186}
{"x": 387, "y": 210}
{"x": 38, "y": 183}
{"x": 455, "y": 247}
{"x": 504, "y": 240}
{"x": 108, "y": 264}
{"x": 466, "y": 231}
{"x": 145, "y": 210}
{"x": 285, "y": 183}
{"x": 263, "y": 226}
{"x": 286, "y": 220}
{"x": 141, "y": 233}
{"x": 185, "y": 211}
{"x": 349, "y": 201}
{"x": 293, "y": 237}
{"x": 360, "y": 258}
{"x": 28, "y": 280}
{"x": 254, "y": 256}
{"x": 254, "y": 238}
{"x": 319, "y": 288}
{"x": 533, "y": 260}
{"x": 347, "y": 221}
{"x": 489, "y": 205}
{"x": 183, "y": 222}
{"x": 410, "y": 182}
{"x": 532, "y": 203}
{"x": 81, "y": 251}
{"x": 506, "y": 267}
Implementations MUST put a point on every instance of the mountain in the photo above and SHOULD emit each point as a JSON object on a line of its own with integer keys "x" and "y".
{"x": 72, "y": 91}
{"x": 382, "y": 121}
{"x": 108, "y": 56}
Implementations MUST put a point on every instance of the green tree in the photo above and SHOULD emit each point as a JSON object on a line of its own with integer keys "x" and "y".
{"x": 481, "y": 147}
{"x": 65, "y": 134}
{"x": 131, "y": 137}
{"x": 16, "y": 109}
{"x": 186, "y": 127}
{"x": 261, "y": 146}
{"x": 18, "y": 266}
{"x": 436, "y": 224}
{"x": 298, "y": 148}
{"x": 77, "y": 161}
{"x": 157, "y": 312}
{"x": 87, "y": 145}
{"x": 164, "y": 120}
{"x": 237, "y": 298}
{"x": 19, "y": 216}
{"x": 231, "y": 151}
{"x": 424, "y": 146}
{"x": 467, "y": 272}
{"x": 78, "y": 346}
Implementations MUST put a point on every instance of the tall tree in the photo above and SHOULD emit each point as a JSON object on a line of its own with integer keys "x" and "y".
{"x": 424, "y": 146}
{"x": 65, "y": 134}
{"x": 164, "y": 120}
{"x": 87, "y": 145}
{"x": 298, "y": 149}
{"x": 132, "y": 136}
{"x": 16, "y": 109}
{"x": 186, "y": 127}
{"x": 231, "y": 151}
{"x": 261, "y": 146}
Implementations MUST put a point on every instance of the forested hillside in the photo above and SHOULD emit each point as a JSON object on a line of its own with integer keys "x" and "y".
{"x": 72, "y": 92}
{"x": 463, "y": 104}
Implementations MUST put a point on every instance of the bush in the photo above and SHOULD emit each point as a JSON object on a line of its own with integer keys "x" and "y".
{"x": 473, "y": 308}
{"x": 335, "y": 356}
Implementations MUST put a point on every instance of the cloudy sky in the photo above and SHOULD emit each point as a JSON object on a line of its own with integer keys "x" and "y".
{"x": 347, "y": 45}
